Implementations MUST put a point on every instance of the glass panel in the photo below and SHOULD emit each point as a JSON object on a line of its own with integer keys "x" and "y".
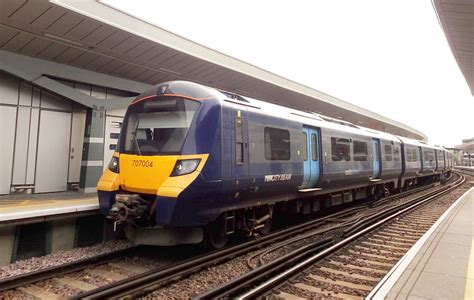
{"x": 239, "y": 153}
{"x": 239, "y": 141}
{"x": 305, "y": 147}
{"x": 396, "y": 153}
{"x": 388, "y": 152}
{"x": 360, "y": 151}
{"x": 340, "y": 149}
{"x": 440, "y": 156}
{"x": 414, "y": 154}
{"x": 277, "y": 144}
{"x": 156, "y": 127}
{"x": 314, "y": 148}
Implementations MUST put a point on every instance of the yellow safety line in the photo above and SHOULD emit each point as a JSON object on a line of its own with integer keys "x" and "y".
{"x": 469, "y": 291}
{"x": 35, "y": 204}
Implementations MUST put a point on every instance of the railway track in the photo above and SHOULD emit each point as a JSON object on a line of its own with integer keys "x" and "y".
{"x": 72, "y": 278}
{"x": 350, "y": 268}
{"x": 125, "y": 278}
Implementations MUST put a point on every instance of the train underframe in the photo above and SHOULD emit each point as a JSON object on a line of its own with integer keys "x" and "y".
{"x": 136, "y": 214}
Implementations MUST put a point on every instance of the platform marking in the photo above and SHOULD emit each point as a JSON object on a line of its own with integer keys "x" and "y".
{"x": 386, "y": 284}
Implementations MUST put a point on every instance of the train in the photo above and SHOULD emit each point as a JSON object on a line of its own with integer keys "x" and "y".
{"x": 194, "y": 163}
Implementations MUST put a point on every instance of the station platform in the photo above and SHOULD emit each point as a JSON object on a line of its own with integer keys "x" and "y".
{"x": 441, "y": 264}
{"x": 45, "y": 207}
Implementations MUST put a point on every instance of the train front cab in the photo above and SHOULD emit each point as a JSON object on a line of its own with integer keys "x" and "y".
{"x": 156, "y": 181}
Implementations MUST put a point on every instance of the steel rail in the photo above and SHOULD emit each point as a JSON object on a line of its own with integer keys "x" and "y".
{"x": 153, "y": 279}
{"x": 12, "y": 282}
{"x": 231, "y": 288}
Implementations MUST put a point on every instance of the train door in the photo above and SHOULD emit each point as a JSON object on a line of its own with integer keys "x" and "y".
{"x": 376, "y": 158}
{"x": 310, "y": 157}
{"x": 240, "y": 149}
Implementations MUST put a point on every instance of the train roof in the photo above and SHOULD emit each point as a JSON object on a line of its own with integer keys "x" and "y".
{"x": 197, "y": 91}
{"x": 307, "y": 117}
{"x": 413, "y": 142}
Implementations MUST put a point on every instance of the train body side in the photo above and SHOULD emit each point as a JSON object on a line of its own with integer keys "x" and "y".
{"x": 250, "y": 156}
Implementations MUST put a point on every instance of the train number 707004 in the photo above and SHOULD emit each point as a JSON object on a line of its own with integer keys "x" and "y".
{"x": 142, "y": 163}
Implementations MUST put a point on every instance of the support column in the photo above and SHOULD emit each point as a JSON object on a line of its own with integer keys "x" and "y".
{"x": 63, "y": 233}
{"x": 93, "y": 149}
{"x": 7, "y": 237}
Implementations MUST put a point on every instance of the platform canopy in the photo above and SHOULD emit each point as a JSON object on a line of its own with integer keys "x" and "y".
{"x": 91, "y": 35}
{"x": 457, "y": 20}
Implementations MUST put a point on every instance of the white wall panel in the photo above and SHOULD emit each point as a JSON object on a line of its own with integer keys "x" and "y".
{"x": 7, "y": 136}
{"x": 21, "y": 145}
{"x": 51, "y": 101}
{"x": 25, "y": 93}
{"x": 32, "y": 146}
{"x": 53, "y": 152}
{"x": 8, "y": 89}
{"x": 36, "y": 97}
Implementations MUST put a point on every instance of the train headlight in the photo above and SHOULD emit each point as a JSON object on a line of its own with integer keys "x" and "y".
{"x": 114, "y": 164}
{"x": 185, "y": 166}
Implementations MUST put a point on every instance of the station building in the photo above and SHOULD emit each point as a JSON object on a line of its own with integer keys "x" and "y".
{"x": 68, "y": 70}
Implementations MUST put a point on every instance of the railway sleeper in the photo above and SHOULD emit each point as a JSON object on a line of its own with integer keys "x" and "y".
{"x": 343, "y": 276}
{"x": 320, "y": 293}
{"x": 367, "y": 262}
{"x": 387, "y": 241}
{"x": 358, "y": 268}
{"x": 340, "y": 282}
{"x": 384, "y": 245}
{"x": 376, "y": 250}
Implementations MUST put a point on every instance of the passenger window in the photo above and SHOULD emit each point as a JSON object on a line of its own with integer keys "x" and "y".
{"x": 396, "y": 153}
{"x": 411, "y": 155}
{"x": 314, "y": 147}
{"x": 414, "y": 154}
{"x": 388, "y": 153}
{"x": 277, "y": 144}
{"x": 360, "y": 151}
{"x": 340, "y": 149}
{"x": 428, "y": 156}
{"x": 440, "y": 156}
{"x": 239, "y": 141}
{"x": 305, "y": 146}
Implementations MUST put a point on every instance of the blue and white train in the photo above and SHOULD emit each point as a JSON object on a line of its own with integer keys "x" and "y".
{"x": 195, "y": 163}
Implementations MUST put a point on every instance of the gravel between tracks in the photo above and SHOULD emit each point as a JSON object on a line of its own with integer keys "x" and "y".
{"x": 61, "y": 257}
{"x": 212, "y": 277}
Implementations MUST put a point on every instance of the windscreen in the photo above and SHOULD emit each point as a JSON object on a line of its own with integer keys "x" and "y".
{"x": 155, "y": 127}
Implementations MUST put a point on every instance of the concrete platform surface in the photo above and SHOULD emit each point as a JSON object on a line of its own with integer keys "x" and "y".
{"x": 441, "y": 264}
{"x": 28, "y": 206}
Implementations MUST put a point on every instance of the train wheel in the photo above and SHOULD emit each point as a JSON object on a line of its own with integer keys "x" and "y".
{"x": 217, "y": 236}
{"x": 266, "y": 229}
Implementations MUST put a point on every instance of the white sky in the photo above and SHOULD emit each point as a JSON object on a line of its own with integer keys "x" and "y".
{"x": 390, "y": 57}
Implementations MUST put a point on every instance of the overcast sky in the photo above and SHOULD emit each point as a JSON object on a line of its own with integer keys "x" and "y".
{"x": 390, "y": 57}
